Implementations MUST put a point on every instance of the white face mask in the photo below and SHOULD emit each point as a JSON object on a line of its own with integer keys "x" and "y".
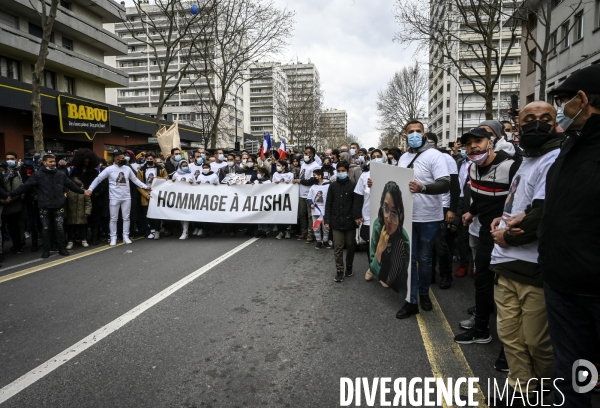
{"x": 244, "y": 161}
{"x": 306, "y": 159}
{"x": 205, "y": 171}
{"x": 279, "y": 169}
{"x": 250, "y": 164}
{"x": 221, "y": 157}
{"x": 377, "y": 160}
{"x": 230, "y": 163}
{"x": 259, "y": 176}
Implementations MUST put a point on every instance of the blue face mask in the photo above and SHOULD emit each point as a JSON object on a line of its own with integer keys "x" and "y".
{"x": 463, "y": 153}
{"x": 562, "y": 119}
{"x": 11, "y": 163}
{"x": 342, "y": 176}
{"x": 185, "y": 169}
{"x": 178, "y": 157}
{"x": 415, "y": 140}
{"x": 199, "y": 161}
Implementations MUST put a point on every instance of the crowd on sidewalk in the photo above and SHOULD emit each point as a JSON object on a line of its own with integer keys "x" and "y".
{"x": 515, "y": 204}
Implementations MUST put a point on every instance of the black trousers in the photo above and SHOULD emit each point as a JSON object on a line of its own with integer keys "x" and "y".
{"x": 484, "y": 279}
{"x": 53, "y": 219}
{"x": 12, "y": 222}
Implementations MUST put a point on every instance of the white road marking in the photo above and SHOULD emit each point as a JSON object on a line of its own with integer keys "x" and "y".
{"x": 27, "y": 263}
{"x": 46, "y": 368}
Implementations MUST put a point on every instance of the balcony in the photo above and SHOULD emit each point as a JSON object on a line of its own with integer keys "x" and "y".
{"x": 20, "y": 45}
{"x": 76, "y": 26}
{"x": 263, "y": 102}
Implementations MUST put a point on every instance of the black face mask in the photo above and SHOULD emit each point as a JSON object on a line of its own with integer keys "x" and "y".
{"x": 149, "y": 163}
{"x": 122, "y": 162}
{"x": 535, "y": 134}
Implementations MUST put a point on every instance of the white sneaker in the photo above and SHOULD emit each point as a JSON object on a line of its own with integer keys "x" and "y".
{"x": 113, "y": 242}
{"x": 127, "y": 240}
{"x": 183, "y": 236}
{"x": 152, "y": 235}
{"x": 195, "y": 231}
{"x": 200, "y": 232}
{"x": 279, "y": 236}
{"x": 157, "y": 235}
{"x": 84, "y": 244}
{"x": 70, "y": 245}
{"x": 288, "y": 235}
{"x": 27, "y": 235}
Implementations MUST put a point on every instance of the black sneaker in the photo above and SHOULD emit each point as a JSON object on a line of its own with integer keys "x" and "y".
{"x": 407, "y": 311}
{"x": 319, "y": 245}
{"x": 45, "y": 254}
{"x": 425, "y": 302}
{"x": 501, "y": 364}
{"x": 473, "y": 336}
{"x": 339, "y": 276}
{"x": 349, "y": 271}
{"x": 445, "y": 282}
{"x": 327, "y": 245}
{"x": 471, "y": 310}
{"x": 64, "y": 252}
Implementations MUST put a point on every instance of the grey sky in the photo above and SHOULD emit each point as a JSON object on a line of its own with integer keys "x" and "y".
{"x": 350, "y": 41}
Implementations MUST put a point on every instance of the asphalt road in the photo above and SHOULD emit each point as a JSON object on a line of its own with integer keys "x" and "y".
{"x": 266, "y": 326}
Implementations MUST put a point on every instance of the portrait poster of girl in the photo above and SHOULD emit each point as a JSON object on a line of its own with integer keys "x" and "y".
{"x": 390, "y": 243}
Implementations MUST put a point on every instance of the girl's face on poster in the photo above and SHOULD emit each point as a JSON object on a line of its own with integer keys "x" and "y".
{"x": 391, "y": 216}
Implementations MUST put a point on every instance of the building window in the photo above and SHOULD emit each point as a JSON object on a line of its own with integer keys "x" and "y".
{"x": 36, "y": 30}
{"x": 70, "y": 85}
{"x": 9, "y": 19}
{"x": 565, "y": 35}
{"x": 578, "y": 26}
{"x": 553, "y": 43}
{"x": 556, "y": 2}
{"x": 597, "y": 13}
{"x": 65, "y": 4}
{"x": 466, "y": 116}
{"x": 9, "y": 68}
{"x": 530, "y": 63}
{"x": 67, "y": 43}
{"x": 49, "y": 79}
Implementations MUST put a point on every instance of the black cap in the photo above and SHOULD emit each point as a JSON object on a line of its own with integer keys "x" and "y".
{"x": 586, "y": 80}
{"x": 475, "y": 132}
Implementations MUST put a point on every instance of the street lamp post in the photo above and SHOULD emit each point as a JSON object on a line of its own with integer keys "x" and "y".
{"x": 237, "y": 144}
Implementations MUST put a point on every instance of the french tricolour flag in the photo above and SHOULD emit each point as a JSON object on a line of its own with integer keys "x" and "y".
{"x": 266, "y": 145}
{"x": 319, "y": 220}
{"x": 281, "y": 150}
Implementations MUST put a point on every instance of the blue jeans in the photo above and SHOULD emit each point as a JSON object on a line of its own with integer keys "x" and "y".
{"x": 423, "y": 239}
{"x": 574, "y": 323}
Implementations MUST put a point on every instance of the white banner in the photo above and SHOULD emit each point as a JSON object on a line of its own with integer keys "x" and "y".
{"x": 235, "y": 204}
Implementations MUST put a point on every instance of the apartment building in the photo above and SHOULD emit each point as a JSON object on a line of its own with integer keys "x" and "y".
{"x": 268, "y": 100}
{"x": 453, "y": 106}
{"x": 191, "y": 103}
{"x": 573, "y": 43}
{"x": 334, "y": 123}
{"x": 75, "y": 75}
{"x": 304, "y": 101}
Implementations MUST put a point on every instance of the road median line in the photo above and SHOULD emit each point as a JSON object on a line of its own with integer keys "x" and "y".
{"x": 445, "y": 356}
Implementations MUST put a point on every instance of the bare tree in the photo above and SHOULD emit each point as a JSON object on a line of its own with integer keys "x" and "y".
{"x": 238, "y": 33}
{"x": 47, "y": 15}
{"x": 403, "y": 99}
{"x": 462, "y": 38}
{"x": 389, "y": 138}
{"x": 539, "y": 40}
{"x": 302, "y": 113}
{"x": 167, "y": 28}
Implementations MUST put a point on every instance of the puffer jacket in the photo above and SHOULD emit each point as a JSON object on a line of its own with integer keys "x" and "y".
{"x": 338, "y": 208}
{"x": 79, "y": 207}
{"x": 16, "y": 203}
{"x": 50, "y": 186}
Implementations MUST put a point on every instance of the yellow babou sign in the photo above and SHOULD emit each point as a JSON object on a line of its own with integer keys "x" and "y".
{"x": 81, "y": 116}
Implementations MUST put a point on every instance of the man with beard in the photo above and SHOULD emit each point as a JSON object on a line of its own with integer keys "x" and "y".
{"x": 119, "y": 175}
{"x": 491, "y": 174}
{"x": 519, "y": 293}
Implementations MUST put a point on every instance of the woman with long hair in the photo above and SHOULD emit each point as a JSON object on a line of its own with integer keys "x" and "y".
{"x": 85, "y": 163}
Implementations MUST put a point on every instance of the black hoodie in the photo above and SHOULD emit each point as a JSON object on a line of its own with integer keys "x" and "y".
{"x": 50, "y": 186}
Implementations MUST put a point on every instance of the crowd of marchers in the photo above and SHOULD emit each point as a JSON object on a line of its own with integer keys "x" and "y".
{"x": 514, "y": 204}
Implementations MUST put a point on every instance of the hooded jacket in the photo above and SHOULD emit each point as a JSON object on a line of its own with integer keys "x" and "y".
{"x": 569, "y": 240}
{"x": 50, "y": 186}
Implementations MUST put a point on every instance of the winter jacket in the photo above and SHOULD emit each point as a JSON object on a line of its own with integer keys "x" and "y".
{"x": 50, "y": 186}
{"x": 339, "y": 205}
{"x": 86, "y": 177}
{"x": 161, "y": 172}
{"x": 569, "y": 246}
{"x": 16, "y": 203}
{"x": 79, "y": 207}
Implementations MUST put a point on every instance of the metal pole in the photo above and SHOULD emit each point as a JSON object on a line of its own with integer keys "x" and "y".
{"x": 498, "y": 65}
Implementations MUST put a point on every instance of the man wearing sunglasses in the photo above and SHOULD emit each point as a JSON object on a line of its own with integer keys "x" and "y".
{"x": 569, "y": 243}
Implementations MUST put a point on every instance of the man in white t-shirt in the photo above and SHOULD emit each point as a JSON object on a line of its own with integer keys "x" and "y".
{"x": 519, "y": 292}
{"x": 306, "y": 180}
{"x": 219, "y": 161}
{"x": 432, "y": 180}
{"x": 445, "y": 238}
